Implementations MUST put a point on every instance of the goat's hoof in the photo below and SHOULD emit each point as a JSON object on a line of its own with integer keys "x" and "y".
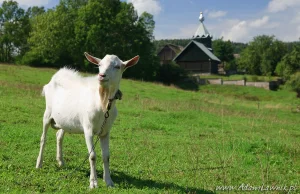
{"x": 109, "y": 183}
{"x": 93, "y": 184}
{"x": 39, "y": 165}
{"x": 61, "y": 163}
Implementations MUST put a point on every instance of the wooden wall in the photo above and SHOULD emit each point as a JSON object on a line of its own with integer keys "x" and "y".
{"x": 166, "y": 55}
{"x": 195, "y": 66}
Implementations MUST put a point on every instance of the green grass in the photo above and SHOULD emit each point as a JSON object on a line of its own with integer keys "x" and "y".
{"x": 165, "y": 140}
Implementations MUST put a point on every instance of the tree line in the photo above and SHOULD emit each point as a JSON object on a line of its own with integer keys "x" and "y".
{"x": 58, "y": 37}
{"x": 237, "y": 46}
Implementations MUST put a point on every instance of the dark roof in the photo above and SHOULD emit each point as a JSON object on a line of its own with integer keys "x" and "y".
{"x": 177, "y": 49}
{"x": 203, "y": 48}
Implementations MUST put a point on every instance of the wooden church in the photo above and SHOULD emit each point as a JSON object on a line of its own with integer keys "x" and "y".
{"x": 197, "y": 57}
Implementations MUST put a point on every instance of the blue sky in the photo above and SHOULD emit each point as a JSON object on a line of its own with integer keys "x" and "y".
{"x": 235, "y": 20}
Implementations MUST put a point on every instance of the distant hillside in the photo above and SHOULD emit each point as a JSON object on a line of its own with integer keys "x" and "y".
{"x": 238, "y": 46}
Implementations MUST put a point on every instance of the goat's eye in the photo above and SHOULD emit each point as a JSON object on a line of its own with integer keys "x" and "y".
{"x": 117, "y": 67}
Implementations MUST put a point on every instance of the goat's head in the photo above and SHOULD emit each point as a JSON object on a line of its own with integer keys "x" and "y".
{"x": 111, "y": 69}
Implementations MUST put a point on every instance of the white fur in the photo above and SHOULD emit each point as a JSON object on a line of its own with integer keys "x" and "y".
{"x": 76, "y": 105}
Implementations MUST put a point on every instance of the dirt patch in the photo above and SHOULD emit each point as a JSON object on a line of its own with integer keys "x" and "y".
{"x": 22, "y": 86}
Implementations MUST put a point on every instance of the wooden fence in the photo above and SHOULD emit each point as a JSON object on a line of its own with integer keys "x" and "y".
{"x": 271, "y": 85}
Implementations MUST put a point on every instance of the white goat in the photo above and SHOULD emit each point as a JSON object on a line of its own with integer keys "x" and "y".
{"x": 75, "y": 104}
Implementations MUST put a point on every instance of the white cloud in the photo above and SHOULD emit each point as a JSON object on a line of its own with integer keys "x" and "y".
{"x": 150, "y": 6}
{"x": 186, "y": 31}
{"x": 237, "y": 32}
{"x": 28, "y": 3}
{"x": 216, "y": 14}
{"x": 259, "y": 22}
{"x": 296, "y": 19}
{"x": 281, "y": 5}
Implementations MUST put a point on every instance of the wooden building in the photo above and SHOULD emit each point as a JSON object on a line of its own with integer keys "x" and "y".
{"x": 197, "y": 56}
{"x": 168, "y": 53}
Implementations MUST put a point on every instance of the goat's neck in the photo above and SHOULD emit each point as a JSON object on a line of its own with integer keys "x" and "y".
{"x": 105, "y": 94}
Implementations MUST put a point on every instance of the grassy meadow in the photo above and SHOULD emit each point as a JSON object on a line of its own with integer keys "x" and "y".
{"x": 220, "y": 139}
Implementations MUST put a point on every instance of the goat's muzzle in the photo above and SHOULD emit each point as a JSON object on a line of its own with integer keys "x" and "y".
{"x": 102, "y": 77}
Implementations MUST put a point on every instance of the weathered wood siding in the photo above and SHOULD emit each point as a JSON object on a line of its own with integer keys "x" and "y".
{"x": 166, "y": 55}
{"x": 195, "y": 66}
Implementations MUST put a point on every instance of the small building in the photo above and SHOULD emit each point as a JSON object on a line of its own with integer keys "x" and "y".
{"x": 197, "y": 57}
{"x": 168, "y": 53}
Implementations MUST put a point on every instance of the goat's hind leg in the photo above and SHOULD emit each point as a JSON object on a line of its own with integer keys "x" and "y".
{"x": 59, "y": 141}
{"x": 46, "y": 123}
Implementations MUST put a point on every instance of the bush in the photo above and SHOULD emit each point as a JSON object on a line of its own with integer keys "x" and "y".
{"x": 254, "y": 78}
{"x": 171, "y": 73}
{"x": 32, "y": 58}
{"x": 294, "y": 83}
{"x": 230, "y": 66}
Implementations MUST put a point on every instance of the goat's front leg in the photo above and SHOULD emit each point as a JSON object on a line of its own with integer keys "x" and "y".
{"x": 105, "y": 157}
{"x": 92, "y": 159}
{"x": 59, "y": 154}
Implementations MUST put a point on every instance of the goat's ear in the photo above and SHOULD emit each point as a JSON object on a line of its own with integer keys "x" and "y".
{"x": 92, "y": 59}
{"x": 131, "y": 62}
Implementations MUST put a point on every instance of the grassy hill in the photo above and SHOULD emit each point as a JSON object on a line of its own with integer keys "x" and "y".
{"x": 165, "y": 140}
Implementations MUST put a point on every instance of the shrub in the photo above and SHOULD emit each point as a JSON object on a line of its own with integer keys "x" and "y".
{"x": 32, "y": 58}
{"x": 171, "y": 73}
{"x": 254, "y": 78}
{"x": 294, "y": 83}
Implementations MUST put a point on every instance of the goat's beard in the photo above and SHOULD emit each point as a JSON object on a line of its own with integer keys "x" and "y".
{"x": 104, "y": 96}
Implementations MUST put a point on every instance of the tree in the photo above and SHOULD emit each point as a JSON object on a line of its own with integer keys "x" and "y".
{"x": 101, "y": 29}
{"x": 262, "y": 55}
{"x": 35, "y": 11}
{"x": 52, "y": 37}
{"x": 14, "y": 30}
{"x": 238, "y": 47}
{"x": 146, "y": 20}
{"x": 143, "y": 45}
{"x": 290, "y": 63}
{"x": 107, "y": 26}
{"x": 223, "y": 50}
